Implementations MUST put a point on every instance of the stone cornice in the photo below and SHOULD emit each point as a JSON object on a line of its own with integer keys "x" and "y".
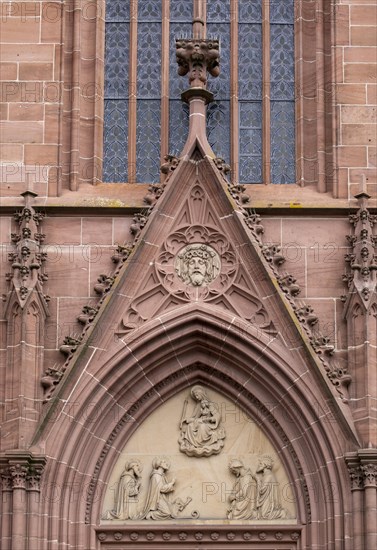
{"x": 126, "y": 197}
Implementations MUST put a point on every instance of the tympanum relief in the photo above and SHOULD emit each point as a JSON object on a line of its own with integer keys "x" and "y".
{"x": 201, "y": 433}
{"x": 197, "y": 264}
{"x": 127, "y": 491}
{"x": 255, "y": 495}
{"x": 198, "y": 457}
{"x": 158, "y": 503}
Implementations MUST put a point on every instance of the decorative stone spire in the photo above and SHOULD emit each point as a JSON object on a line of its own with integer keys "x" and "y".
{"x": 195, "y": 57}
{"x": 28, "y": 258}
{"x": 362, "y": 277}
{"x": 360, "y": 313}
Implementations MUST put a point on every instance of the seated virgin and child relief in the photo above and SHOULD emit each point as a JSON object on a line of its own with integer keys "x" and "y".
{"x": 201, "y": 433}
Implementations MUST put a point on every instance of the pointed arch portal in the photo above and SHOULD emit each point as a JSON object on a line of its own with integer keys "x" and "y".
{"x": 196, "y": 346}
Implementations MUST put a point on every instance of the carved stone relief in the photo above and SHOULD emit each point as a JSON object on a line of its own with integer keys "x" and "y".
{"x": 155, "y": 479}
{"x": 158, "y": 503}
{"x": 201, "y": 433}
{"x": 197, "y": 264}
{"x": 255, "y": 494}
{"x": 128, "y": 488}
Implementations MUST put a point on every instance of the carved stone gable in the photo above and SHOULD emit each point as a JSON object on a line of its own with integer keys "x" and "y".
{"x": 197, "y": 262}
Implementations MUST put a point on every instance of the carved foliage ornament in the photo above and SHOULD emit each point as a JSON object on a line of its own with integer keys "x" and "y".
{"x": 23, "y": 475}
{"x": 197, "y": 56}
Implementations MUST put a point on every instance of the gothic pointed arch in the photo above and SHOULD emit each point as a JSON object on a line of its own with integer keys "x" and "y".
{"x": 95, "y": 419}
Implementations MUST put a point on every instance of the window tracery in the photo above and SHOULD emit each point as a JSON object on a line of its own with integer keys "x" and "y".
{"x": 251, "y": 123}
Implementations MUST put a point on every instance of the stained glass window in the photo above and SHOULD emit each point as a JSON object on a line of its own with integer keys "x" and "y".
{"x": 282, "y": 91}
{"x": 115, "y": 150}
{"x": 251, "y": 122}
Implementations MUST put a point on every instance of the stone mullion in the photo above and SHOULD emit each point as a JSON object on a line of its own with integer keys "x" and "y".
{"x": 234, "y": 115}
{"x": 99, "y": 105}
{"x": 132, "y": 94}
{"x": 299, "y": 93}
{"x": 320, "y": 72}
{"x": 200, "y": 12}
{"x": 165, "y": 82}
{"x": 266, "y": 147}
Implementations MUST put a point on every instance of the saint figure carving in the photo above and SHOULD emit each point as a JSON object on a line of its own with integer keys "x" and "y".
{"x": 201, "y": 433}
{"x": 243, "y": 496}
{"x": 268, "y": 498}
{"x": 158, "y": 505}
{"x": 197, "y": 264}
{"x": 126, "y": 496}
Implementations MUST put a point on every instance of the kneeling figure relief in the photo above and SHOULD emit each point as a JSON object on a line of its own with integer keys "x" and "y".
{"x": 214, "y": 463}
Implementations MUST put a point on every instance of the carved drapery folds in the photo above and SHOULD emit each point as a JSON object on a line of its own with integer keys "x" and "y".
{"x": 159, "y": 504}
{"x": 201, "y": 433}
{"x": 226, "y": 469}
{"x": 255, "y": 494}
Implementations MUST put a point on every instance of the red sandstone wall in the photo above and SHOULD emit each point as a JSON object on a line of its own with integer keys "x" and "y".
{"x": 356, "y": 92}
{"x": 30, "y": 93}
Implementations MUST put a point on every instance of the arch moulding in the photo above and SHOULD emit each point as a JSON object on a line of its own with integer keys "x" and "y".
{"x": 234, "y": 359}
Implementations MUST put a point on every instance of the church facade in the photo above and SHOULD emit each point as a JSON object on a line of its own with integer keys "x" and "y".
{"x": 189, "y": 275}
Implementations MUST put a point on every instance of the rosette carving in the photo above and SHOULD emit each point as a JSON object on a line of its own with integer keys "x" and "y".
{"x": 196, "y": 262}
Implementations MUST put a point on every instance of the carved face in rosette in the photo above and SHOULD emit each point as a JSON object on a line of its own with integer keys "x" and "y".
{"x": 197, "y": 264}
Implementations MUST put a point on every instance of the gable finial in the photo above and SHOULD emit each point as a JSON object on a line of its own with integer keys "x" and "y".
{"x": 196, "y": 57}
